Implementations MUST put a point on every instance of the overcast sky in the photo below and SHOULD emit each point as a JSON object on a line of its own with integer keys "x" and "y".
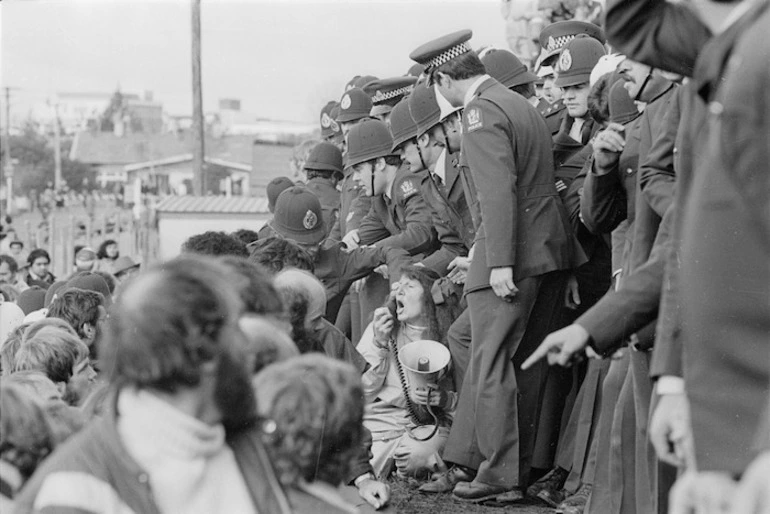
{"x": 283, "y": 58}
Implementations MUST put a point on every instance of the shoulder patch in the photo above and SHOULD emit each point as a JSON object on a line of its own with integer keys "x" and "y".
{"x": 407, "y": 189}
{"x": 473, "y": 119}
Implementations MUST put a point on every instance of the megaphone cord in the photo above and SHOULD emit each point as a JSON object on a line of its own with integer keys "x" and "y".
{"x": 410, "y": 407}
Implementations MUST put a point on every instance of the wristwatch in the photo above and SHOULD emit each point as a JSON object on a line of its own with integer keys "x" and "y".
{"x": 366, "y": 476}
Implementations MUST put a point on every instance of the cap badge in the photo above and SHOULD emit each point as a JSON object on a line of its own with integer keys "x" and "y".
{"x": 565, "y": 60}
{"x": 345, "y": 103}
{"x": 310, "y": 220}
{"x": 326, "y": 121}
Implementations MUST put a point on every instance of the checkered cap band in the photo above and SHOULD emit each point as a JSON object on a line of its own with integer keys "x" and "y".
{"x": 558, "y": 42}
{"x": 380, "y": 97}
{"x": 449, "y": 54}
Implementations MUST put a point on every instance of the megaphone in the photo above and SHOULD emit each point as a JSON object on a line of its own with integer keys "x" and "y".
{"x": 424, "y": 362}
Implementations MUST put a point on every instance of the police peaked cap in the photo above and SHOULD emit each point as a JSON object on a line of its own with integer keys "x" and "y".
{"x": 324, "y": 157}
{"x": 415, "y": 70}
{"x": 576, "y": 61}
{"x": 368, "y": 140}
{"x": 329, "y": 126}
{"x": 359, "y": 81}
{"x": 385, "y": 93}
{"x": 556, "y": 35}
{"x": 298, "y": 216}
{"x": 506, "y": 68}
{"x": 354, "y": 105}
{"x": 402, "y": 125}
{"x": 442, "y": 50}
{"x": 424, "y": 108}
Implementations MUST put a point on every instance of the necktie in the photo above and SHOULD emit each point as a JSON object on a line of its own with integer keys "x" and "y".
{"x": 440, "y": 185}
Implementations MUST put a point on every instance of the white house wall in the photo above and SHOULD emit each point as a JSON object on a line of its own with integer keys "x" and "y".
{"x": 174, "y": 228}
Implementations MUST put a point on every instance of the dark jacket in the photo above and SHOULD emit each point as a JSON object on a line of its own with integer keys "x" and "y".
{"x": 401, "y": 219}
{"x": 507, "y": 148}
{"x": 354, "y": 205}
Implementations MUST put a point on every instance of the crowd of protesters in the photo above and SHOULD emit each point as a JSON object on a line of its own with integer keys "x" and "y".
{"x": 588, "y": 242}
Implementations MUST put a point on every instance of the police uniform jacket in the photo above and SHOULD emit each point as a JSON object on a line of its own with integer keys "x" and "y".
{"x": 337, "y": 269}
{"x": 451, "y": 216}
{"x": 329, "y": 197}
{"x": 401, "y": 219}
{"x": 723, "y": 226}
{"x": 354, "y": 205}
{"x": 553, "y": 114}
{"x": 507, "y": 147}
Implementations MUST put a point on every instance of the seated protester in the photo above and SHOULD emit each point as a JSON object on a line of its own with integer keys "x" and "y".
{"x": 299, "y": 218}
{"x": 276, "y": 186}
{"x": 397, "y": 421}
{"x": 254, "y": 287}
{"x": 62, "y": 357}
{"x": 25, "y": 440}
{"x": 183, "y": 413}
{"x": 38, "y": 262}
{"x": 245, "y": 236}
{"x": 83, "y": 310}
{"x": 317, "y": 406}
{"x": 275, "y": 253}
{"x": 215, "y": 244}
{"x": 305, "y": 300}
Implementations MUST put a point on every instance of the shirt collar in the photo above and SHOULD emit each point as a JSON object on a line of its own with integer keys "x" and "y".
{"x": 473, "y": 89}
{"x": 440, "y": 168}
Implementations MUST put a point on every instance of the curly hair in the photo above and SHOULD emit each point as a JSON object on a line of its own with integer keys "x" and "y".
{"x": 253, "y": 284}
{"x": 77, "y": 307}
{"x": 245, "y": 236}
{"x": 276, "y": 253}
{"x": 599, "y": 100}
{"x": 317, "y": 404}
{"x": 25, "y": 433}
{"x": 215, "y": 244}
{"x": 439, "y": 317}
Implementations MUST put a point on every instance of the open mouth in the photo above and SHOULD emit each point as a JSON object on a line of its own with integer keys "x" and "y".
{"x": 399, "y": 307}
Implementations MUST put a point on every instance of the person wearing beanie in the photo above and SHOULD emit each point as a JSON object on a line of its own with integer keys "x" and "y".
{"x": 85, "y": 259}
{"x": 32, "y": 299}
{"x": 299, "y": 218}
{"x": 92, "y": 282}
{"x": 324, "y": 171}
{"x": 521, "y": 247}
{"x": 274, "y": 188}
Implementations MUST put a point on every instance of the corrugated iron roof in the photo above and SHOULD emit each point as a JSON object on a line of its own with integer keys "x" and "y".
{"x": 214, "y": 204}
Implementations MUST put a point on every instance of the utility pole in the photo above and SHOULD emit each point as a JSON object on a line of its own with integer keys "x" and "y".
{"x": 57, "y": 150}
{"x": 198, "y": 127}
{"x": 7, "y": 172}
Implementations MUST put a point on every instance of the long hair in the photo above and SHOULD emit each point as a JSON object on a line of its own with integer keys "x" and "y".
{"x": 439, "y": 317}
{"x": 102, "y": 252}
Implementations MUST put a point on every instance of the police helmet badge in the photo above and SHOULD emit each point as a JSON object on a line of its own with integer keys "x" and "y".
{"x": 310, "y": 220}
{"x": 474, "y": 119}
{"x": 326, "y": 121}
{"x": 565, "y": 60}
{"x": 345, "y": 103}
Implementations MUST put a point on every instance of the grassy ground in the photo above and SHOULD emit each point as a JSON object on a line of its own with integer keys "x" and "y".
{"x": 405, "y": 498}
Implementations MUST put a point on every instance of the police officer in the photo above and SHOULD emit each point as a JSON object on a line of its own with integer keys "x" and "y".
{"x": 507, "y": 69}
{"x": 324, "y": 171}
{"x": 299, "y": 218}
{"x": 523, "y": 238}
{"x": 330, "y": 129}
{"x": 386, "y": 93}
{"x": 398, "y": 215}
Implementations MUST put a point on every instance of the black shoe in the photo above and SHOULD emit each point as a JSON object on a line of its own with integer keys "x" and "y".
{"x": 445, "y": 482}
{"x": 552, "y": 482}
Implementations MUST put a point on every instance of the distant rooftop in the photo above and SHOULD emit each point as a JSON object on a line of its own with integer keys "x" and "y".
{"x": 214, "y": 204}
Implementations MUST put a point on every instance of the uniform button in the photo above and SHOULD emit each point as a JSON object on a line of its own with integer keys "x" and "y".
{"x": 630, "y": 171}
{"x": 143, "y": 478}
{"x": 716, "y": 108}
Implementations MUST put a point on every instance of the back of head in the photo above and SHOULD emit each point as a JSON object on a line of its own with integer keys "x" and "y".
{"x": 168, "y": 322}
{"x": 25, "y": 434}
{"x": 317, "y": 404}
{"x": 215, "y": 244}
{"x": 253, "y": 285}
{"x": 77, "y": 307}
{"x": 277, "y": 186}
{"x": 245, "y": 235}
{"x": 306, "y": 284}
{"x": 277, "y": 253}
{"x": 92, "y": 281}
{"x": 52, "y": 351}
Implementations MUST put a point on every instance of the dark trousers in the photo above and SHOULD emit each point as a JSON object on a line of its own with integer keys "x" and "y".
{"x": 459, "y": 341}
{"x": 497, "y": 415}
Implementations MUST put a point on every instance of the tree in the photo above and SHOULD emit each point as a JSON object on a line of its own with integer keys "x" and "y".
{"x": 33, "y": 155}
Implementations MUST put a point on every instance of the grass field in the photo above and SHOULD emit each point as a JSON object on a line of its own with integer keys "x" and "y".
{"x": 405, "y": 498}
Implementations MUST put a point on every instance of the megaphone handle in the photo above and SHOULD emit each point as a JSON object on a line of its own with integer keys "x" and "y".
{"x": 409, "y": 404}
